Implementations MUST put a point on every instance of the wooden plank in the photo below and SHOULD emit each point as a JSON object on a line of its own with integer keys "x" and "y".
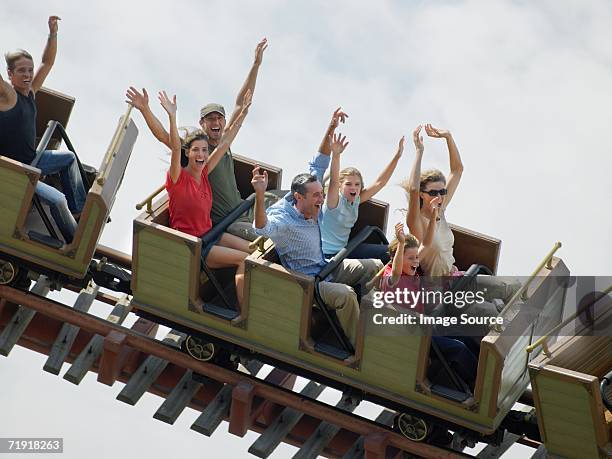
{"x": 21, "y": 319}
{"x": 90, "y": 353}
{"x": 217, "y": 410}
{"x": 68, "y": 333}
{"x": 178, "y": 399}
{"x": 494, "y": 452}
{"x": 148, "y": 372}
{"x": 325, "y": 432}
{"x": 357, "y": 451}
{"x": 284, "y": 423}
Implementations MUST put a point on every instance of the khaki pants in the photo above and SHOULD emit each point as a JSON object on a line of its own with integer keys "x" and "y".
{"x": 499, "y": 287}
{"x": 339, "y": 295}
{"x": 243, "y": 227}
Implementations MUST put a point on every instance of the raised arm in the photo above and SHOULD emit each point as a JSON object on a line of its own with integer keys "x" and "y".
{"x": 430, "y": 231}
{"x": 251, "y": 79}
{"x": 413, "y": 218}
{"x": 175, "y": 140}
{"x": 141, "y": 103}
{"x": 385, "y": 175}
{"x": 338, "y": 145}
{"x": 48, "y": 57}
{"x": 337, "y": 117}
{"x": 230, "y": 133}
{"x": 8, "y": 96}
{"x": 456, "y": 166}
{"x": 260, "y": 185}
{"x": 398, "y": 258}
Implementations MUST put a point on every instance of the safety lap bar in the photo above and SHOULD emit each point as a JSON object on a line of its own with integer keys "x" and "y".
{"x": 230, "y": 218}
{"x": 603, "y": 386}
{"x": 44, "y": 143}
{"x": 329, "y": 268}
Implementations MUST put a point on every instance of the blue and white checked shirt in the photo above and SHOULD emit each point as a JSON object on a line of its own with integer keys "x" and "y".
{"x": 297, "y": 240}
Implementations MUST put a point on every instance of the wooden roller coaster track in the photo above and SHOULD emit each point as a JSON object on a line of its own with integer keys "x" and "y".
{"x": 269, "y": 406}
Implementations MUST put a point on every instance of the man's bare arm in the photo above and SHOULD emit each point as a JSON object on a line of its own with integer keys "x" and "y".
{"x": 8, "y": 96}
{"x": 251, "y": 79}
{"x": 48, "y": 57}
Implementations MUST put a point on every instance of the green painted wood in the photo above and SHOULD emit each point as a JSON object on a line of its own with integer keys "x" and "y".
{"x": 566, "y": 415}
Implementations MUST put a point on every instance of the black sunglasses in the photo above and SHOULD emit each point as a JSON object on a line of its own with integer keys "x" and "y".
{"x": 441, "y": 192}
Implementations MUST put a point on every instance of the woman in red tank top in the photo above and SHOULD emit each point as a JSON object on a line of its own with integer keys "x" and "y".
{"x": 190, "y": 194}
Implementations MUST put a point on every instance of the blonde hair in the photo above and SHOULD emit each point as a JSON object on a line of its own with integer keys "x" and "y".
{"x": 349, "y": 171}
{"x": 14, "y": 56}
{"x": 411, "y": 243}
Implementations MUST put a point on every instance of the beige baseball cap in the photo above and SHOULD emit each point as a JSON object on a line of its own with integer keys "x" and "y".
{"x": 210, "y": 108}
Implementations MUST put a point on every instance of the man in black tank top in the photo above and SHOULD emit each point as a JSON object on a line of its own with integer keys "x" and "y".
{"x": 18, "y": 133}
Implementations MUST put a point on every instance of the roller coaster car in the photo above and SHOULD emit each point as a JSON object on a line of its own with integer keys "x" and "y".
{"x": 29, "y": 239}
{"x": 572, "y": 391}
{"x": 276, "y": 324}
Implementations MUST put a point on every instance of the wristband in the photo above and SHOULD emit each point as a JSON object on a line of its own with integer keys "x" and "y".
{"x": 53, "y": 35}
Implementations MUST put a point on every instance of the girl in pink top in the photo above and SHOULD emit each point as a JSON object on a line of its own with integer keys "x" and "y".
{"x": 402, "y": 274}
{"x": 190, "y": 195}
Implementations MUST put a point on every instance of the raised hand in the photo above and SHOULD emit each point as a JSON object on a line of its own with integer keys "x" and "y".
{"x": 399, "y": 233}
{"x": 259, "y": 180}
{"x": 338, "y": 117}
{"x": 338, "y": 144}
{"x": 138, "y": 100}
{"x": 259, "y": 50}
{"x": 53, "y": 24}
{"x": 435, "y": 132}
{"x": 169, "y": 106}
{"x": 435, "y": 206}
{"x": 418, "y": 139}
{"x": 400, "y": 146}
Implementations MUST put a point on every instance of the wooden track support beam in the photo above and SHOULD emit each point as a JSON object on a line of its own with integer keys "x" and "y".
{"x": 68, "y": 333}
{"x": 21, "y": 319}
{"x": 178, "y": 399}
{"x": 313, "y": 447}
{"x": 90, "y": 353}
{"x": 284, "y": 423}
{"x": 358, "y": 450}
{"x": 148, "y": 372}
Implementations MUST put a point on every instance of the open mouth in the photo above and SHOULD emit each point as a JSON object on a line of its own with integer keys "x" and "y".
{"x": 216, "y": 130}
{"x": 200, "y": 162}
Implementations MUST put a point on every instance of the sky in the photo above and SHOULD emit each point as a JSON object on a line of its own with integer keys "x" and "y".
{"x": 523, "y": 86}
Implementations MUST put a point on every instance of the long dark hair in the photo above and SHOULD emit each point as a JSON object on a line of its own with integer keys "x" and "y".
{"x": 198, "y": 134}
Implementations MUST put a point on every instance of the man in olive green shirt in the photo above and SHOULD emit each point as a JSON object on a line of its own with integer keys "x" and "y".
{"x": 222, "y": 179}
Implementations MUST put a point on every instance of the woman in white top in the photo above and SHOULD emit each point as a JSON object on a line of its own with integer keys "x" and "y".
{"x": 422, "y": 188}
